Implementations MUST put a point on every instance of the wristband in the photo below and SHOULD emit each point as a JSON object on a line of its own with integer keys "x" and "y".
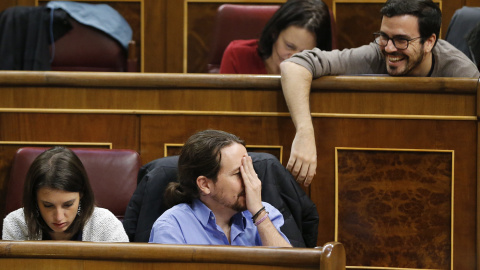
{"x": 262, "y": 219}
{"x": 258, "y": 213}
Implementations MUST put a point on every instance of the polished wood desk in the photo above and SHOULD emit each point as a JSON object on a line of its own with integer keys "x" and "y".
{"x": 397, "y": 172}
{"x": 104, "y": 256}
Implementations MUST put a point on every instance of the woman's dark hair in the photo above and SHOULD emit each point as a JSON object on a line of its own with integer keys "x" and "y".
{"x": 312, "y": 15}
{"x": 200, "y": 156}
{"x": 56, "y": 168}
{"x": 428, "y": 13}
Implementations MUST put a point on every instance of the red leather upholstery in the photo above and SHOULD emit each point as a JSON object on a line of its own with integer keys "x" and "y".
{"x": 112, "y": 174}
{"x": 236, "y": 21}
{"x": 85, "y": 48}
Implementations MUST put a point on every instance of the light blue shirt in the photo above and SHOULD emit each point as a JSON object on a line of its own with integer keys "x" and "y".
{"x": 100, "y": 16}
{"x": 195, "y": 224}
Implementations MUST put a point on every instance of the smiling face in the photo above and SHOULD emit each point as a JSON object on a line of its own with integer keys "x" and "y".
{"x": 58, "y": 209}
{"x": 228, "y": 191}
{"x": 292, "y": 40}
{"x": 413, "y": 61}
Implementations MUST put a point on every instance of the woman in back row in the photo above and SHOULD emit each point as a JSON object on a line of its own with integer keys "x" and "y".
{"x": 296, "y": 26}
{"x": 58, "y": 204}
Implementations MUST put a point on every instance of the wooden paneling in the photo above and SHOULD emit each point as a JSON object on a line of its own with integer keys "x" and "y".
{"x": 201, "y": 22}
{"x": 71, "y": 128}
{"x": 401, "y": 199}
{"x": 155, "y": 38}
{"x": 472, "y": 3}
{"x": 356, "y": 22}
{"x": 145, "y": 112}
{"x": 254, "y": 130}
{"x": 246, "y": 94}
{"x": 7, "y": 3}
{"x": 401, "y": 134}
{"x": 478, "y": 193}
{"x": 172, "y": 149}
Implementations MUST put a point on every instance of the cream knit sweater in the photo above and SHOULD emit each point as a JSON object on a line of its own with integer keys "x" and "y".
{"x": 102, "y": 226}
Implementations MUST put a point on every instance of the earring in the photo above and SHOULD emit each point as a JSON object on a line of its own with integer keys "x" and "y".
{"x": 79, "y": 208}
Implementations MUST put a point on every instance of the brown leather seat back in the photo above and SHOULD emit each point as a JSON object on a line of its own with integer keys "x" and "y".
{"x": 112, "y": 174}
{"x": 85, "y": 48}
{"x": 238, "y": 21}
{"x": 234, "y": 22}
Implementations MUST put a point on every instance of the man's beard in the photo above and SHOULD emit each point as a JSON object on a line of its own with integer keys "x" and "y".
{"x": 239, "y": 205}
{"x": 410, "y": 64}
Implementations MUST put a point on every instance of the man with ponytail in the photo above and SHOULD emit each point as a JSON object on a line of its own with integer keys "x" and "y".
{"x": 217, "y": 198}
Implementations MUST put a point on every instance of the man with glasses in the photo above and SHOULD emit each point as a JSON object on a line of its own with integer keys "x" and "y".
{"x": 406, "y": 45}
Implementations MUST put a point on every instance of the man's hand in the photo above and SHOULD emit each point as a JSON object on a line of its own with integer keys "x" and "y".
{"x": 296, "y": 83}
{"x": 253, "y": 185}
{"x": 303, "y": 157}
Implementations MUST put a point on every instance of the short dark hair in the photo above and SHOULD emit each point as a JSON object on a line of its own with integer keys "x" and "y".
{"x": 428, "y": 13}
{"x": 200, "y": 155}
{"x": 56, "y": 168}
{"x": 312, "y": 15}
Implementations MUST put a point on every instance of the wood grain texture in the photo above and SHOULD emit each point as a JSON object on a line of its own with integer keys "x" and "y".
{"x": 147, "y": 111}
{"x": 200, "y": 28}
{"x": 401, "y": 200}
{"x": 157, "y": 38}
{"x": 356, "y": 23}
{"x": 254, "y": 130}
{"x": 26, "y": 254}
{"x": 246, "y": 93}
{"x": 459, "y": 136}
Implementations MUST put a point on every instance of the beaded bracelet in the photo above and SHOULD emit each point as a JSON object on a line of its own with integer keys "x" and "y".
{"x": 262, "y": 219}
{"x": 258, "y": 213}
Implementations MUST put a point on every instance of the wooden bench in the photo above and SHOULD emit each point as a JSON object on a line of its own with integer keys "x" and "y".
{"x": 104, "y": 256}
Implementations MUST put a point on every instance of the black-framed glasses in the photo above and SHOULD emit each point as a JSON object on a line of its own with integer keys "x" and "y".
{"x": 399, "y": 42}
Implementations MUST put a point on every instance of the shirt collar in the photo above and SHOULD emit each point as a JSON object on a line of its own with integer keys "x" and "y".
{"x": 204, "y": 215}
{"x": 202, "y": 212}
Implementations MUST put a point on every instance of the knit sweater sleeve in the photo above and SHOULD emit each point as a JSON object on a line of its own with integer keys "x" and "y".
{"x": 14, "y": 226}
{"x": 103, "y": 226}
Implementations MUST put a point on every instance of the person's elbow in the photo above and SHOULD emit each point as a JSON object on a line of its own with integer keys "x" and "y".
{"x": 286, "y": 66}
